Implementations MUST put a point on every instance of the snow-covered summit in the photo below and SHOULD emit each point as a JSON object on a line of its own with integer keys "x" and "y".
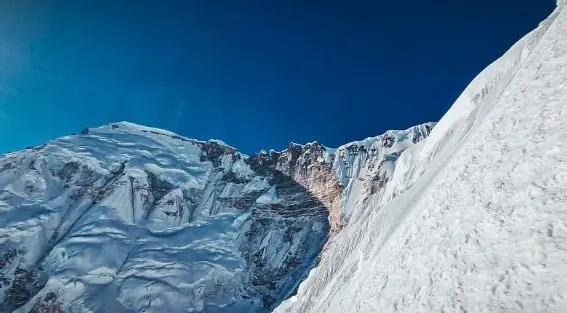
{"x": 125, "y": 126}
{"x": 129, "y": 126}
{"x": 125, "y": 218}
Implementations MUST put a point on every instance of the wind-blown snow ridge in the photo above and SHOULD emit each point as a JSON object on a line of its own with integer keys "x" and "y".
{"x": 473, "y": 218}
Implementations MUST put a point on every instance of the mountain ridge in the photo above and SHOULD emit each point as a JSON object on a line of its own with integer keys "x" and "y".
{"x": 132, "y": 189}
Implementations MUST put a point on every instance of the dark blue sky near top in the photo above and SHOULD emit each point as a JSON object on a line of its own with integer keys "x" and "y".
{"x": 256, "y": 74}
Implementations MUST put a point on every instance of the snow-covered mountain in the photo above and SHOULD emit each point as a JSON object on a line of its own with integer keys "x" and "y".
{"x": 126, "y": 218}
{"x": 466, "y": 215}
{"x": 474, "y": 217}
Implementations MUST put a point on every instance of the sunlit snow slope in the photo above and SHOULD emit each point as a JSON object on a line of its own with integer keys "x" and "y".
{"x": 474, "y": 218}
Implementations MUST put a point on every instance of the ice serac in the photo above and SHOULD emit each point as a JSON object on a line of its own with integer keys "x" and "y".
{"x": 473, "y": 217}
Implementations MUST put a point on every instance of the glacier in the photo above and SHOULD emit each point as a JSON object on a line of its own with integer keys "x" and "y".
{"x": 464, "y": 215}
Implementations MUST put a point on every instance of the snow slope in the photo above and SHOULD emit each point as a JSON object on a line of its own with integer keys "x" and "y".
{"x": 474, "y": 218}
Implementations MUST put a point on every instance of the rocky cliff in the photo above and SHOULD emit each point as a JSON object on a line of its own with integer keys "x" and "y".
{"x": 331, "y": 174}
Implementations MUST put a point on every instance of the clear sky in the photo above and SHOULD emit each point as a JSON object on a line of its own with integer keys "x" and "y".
{"x": 256, "y": 74}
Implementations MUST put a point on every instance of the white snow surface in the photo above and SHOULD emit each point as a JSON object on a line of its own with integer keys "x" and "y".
{"x": 474, "y": 218}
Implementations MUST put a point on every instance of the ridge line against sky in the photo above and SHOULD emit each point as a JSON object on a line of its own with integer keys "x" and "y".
{"x": 253, "y": 74}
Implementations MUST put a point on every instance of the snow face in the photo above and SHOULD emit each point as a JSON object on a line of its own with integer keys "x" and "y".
{"x": 473, "y": 218}
{"x": 126, "y": 218}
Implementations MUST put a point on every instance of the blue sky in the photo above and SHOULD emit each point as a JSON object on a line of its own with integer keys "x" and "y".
{"x": 256, "y": 74}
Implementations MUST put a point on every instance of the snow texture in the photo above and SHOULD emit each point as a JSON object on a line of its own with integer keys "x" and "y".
{"x": 473, "y": 219}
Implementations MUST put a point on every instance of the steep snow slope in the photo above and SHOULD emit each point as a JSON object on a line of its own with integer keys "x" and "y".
{"x": 474, "y": 217}
{"x": 126, "y": 218}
